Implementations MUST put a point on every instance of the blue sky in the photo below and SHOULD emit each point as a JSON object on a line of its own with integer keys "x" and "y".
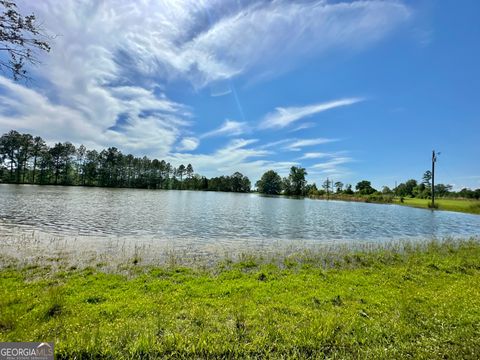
{"x": 350, "y": 90}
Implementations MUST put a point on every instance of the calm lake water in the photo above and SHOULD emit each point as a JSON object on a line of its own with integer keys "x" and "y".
{"x": 217, "y": 218}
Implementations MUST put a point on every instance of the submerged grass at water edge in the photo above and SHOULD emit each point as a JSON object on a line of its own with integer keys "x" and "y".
{"x": 417, "y": 301}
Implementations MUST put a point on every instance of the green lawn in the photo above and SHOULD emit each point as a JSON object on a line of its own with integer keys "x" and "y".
{"x": 419, "y": 302}
{"x": 460, "y": 205}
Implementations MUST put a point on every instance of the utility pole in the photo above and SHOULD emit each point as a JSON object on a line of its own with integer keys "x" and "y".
{"x": 434, "y": 160}
{"x": 328, "y": 185}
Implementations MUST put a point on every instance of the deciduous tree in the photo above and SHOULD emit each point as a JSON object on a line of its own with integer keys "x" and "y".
{"x": 364, "y": 187}
{"x": 270, "y": 183}
{"x": 339, "y": 186}
{"x": 297, "y": 180}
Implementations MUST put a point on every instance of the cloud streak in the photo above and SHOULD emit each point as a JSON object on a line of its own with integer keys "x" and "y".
{"x": 299, "y": 144}
{"x": 229, "y": 127}
{"x": 315, "y": 155}
{"x": 188, "y": 144}
{"x": 283, "y": 117}
{"x": 333, "y": 167}
{"x": 332, "y": 164}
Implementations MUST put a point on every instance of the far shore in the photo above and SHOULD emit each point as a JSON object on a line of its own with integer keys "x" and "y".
{"x": 467, "y": 206}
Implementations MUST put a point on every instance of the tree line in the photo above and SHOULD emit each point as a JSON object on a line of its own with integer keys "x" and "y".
{"x": 25, "y": 159}
{"x": 295, "y": 184}
{"x": 423, "y": 189}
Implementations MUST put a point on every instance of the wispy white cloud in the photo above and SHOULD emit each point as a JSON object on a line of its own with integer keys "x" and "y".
{"x": 152, "y": 128}
{"x": 331, "y": 168}
{"x": 283, "y": 117}
{"x": 25, "y": 109}
{"x": 229, "y": 127}
{"x": 276, "y": 144}
{"x": 307, "y": 125}
{"x": 230, "y": 47}
{"x": 188, "y": 144}
{"x": 315, "y": 155}
{"x": 297, "y": 145}
{"x": 324, "y": 155}
{"x": 332, "y": 164}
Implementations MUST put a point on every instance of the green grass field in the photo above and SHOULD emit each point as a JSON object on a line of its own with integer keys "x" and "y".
{"x": 460, "y": 205}
{"x": 419, "y": 301}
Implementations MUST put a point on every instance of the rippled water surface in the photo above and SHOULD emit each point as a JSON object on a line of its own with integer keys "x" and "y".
{"x": 217, "y": 218}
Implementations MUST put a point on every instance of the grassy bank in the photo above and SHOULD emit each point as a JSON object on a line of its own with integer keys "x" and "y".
{"x": 413, "y": 301}
{"x": 460, "y": 205}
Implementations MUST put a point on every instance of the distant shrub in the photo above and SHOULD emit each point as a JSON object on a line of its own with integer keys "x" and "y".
{"x": 379, "y": 198}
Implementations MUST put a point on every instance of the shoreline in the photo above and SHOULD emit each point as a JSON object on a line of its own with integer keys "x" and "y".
{"x": 416, "y": 300}
{"x": 27, "y": 247}
{"x": 133, "y": 257}
{"x": 464, "y": 206}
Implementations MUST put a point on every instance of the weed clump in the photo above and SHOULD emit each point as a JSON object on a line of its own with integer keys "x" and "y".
{"x": 337, "y": 301}
{"x": 432, "y": 205}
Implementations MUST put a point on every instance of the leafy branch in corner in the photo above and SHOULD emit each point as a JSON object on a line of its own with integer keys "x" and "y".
{"x": 21, "y": 38}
